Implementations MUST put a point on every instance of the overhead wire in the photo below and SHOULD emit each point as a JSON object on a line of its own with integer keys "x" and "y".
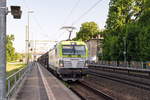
{"x": 86, "y": 12}
{"x": 37, "y": 23}
{"x": 68, "y": 16}
{"x": 41, "y": 28}
{"x": 42, "y": 31}
{"x": 71, "y": 11}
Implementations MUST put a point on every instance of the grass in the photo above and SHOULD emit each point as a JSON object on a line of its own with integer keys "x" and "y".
{"x": 13, "y": 67}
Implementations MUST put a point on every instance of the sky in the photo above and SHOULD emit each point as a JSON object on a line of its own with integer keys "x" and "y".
{"x": 50, "y": 15}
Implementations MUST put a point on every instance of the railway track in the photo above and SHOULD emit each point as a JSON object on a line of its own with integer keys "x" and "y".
{"x": 124, "y": 72}
{"x": 119, "y": 78}
{"x": 93, "y": 93}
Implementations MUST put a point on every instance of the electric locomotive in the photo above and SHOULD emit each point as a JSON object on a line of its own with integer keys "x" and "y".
{"x": 68, "y": 59}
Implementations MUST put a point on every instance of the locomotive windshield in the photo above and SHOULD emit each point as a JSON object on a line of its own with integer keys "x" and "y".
{"x": 73, "y": 50}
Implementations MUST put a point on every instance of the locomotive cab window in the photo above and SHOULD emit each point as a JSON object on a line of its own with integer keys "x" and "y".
{"x": 73, "y": 50}
{"x": 79, "y": 50}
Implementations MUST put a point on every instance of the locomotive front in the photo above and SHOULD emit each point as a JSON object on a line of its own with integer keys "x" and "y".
{"x": 73, "y": 60}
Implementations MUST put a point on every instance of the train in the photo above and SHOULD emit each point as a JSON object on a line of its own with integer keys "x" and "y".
{"x": 68, "y": 59}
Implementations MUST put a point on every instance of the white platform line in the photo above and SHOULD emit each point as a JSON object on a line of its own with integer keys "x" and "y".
{"x": 47, "y": 88}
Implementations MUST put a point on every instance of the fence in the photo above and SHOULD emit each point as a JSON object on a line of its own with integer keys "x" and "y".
{"x": 132, "y": 64}
{"x": 13, "y": 81}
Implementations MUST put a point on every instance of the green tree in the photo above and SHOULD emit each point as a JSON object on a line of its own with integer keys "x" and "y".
{"x": 10, "y": 50}
{"x": 123, "y": 29}
{"x": 87, "y": 31}
{"x": 144, "y": 36}
{"x": 110, "y": 45}
{"x": 122, "y": 12}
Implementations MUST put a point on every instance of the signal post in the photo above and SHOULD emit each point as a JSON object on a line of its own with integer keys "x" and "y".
{"x": 16, "y": 12}
{"x": 3, "y": 12}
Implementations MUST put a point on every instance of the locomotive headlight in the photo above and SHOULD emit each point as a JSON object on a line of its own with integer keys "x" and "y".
{"x": 61, "y": 63}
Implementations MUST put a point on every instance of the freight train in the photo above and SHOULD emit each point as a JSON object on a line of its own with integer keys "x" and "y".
{"x": 68, "y": 59}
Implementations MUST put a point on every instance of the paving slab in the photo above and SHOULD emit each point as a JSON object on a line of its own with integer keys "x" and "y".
{"x": 33, "y": 88}
{"x": 40, "y": 84}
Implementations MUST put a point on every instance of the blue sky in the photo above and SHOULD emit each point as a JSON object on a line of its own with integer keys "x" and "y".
{"x": 49, "y": 16}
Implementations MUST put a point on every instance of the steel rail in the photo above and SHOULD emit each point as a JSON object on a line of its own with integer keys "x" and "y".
{"x": 121, "y": 80}
{"x": 104, "y": 95}
{"x": 127, "y": 77}
{"x": 78, "y": 94}
{"x": 90, "y": 88}
{"x": 133, "y": 74}
{"x": 121, "y": 68}
{"x": 145, "y": 71}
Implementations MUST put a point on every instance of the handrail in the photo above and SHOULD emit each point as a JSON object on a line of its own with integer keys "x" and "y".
{"x": 14, "y": 79}
{"x": 14, "y": 74}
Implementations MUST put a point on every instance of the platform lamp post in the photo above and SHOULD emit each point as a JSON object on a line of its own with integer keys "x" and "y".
{"x": 28, "y": 36}
{"x": 16, "y": 13}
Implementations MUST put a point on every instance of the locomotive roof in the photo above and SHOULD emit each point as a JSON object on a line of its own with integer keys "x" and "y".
{"x": 72, "y": 43}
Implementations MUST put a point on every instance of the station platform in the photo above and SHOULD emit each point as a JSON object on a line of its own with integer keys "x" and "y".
{"x": 40, "y": 84}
